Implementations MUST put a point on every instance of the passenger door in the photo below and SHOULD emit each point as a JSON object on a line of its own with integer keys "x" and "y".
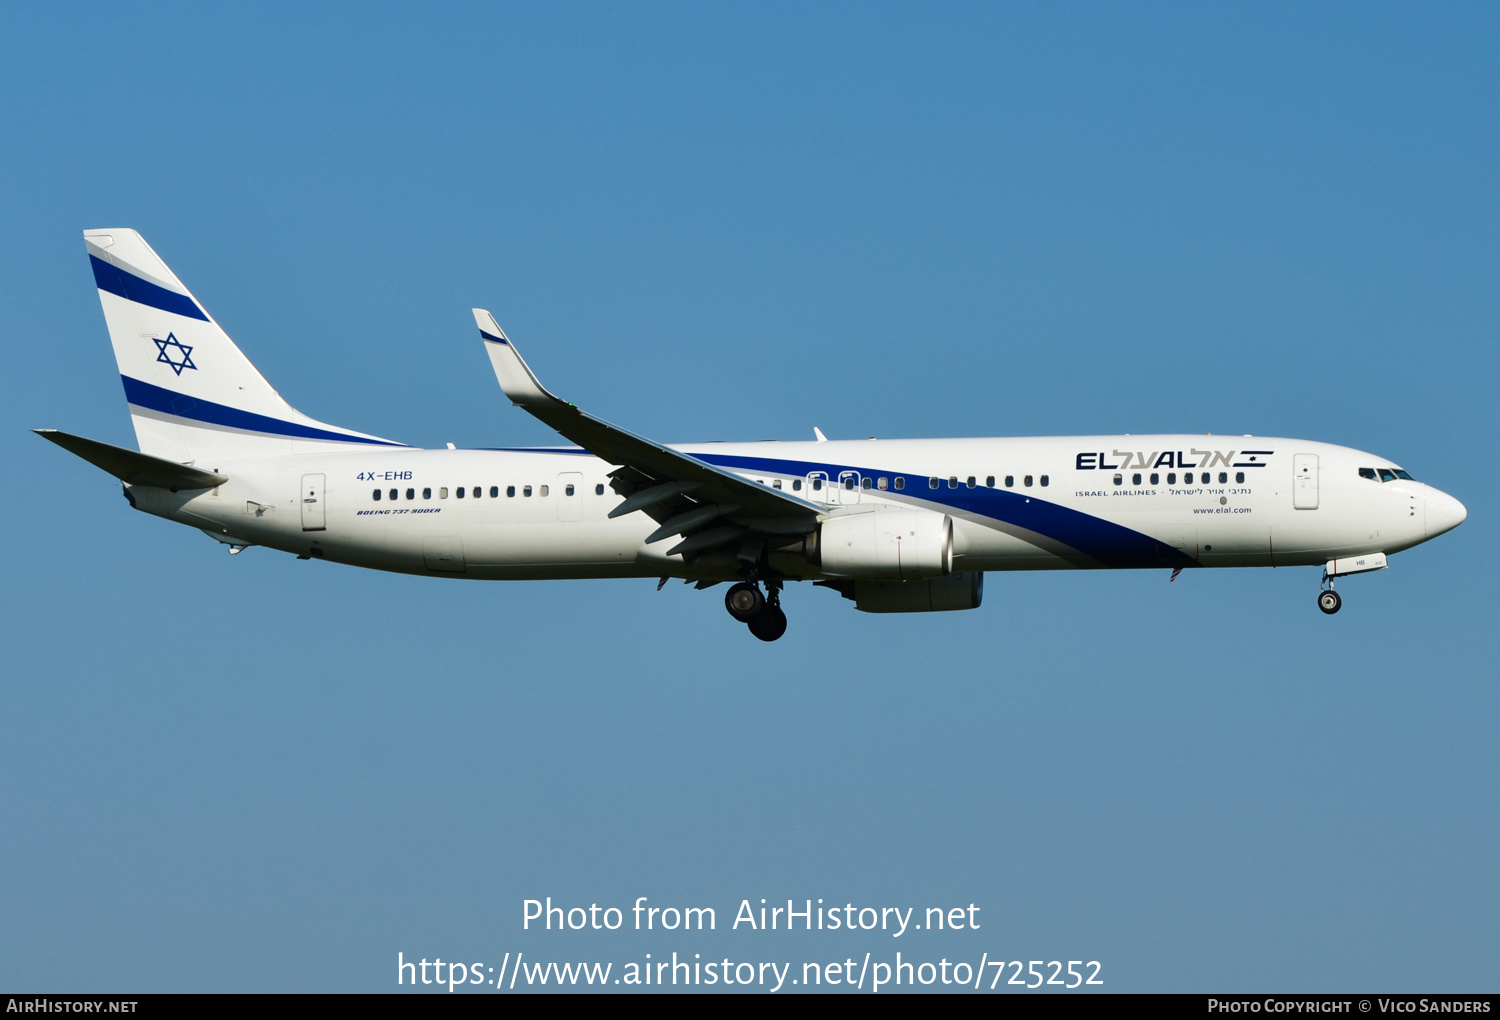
{"x": 818, "y": 490}
{"x": 1305, "y": 481}
{"x": 314, "y": 517}
{"x": 849, "y": 487}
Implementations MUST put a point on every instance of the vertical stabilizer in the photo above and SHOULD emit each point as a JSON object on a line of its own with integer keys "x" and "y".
{"x": 193, "y": 394}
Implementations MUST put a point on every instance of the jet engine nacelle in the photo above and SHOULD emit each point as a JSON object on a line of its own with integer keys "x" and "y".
{"x": 963, "y": 590}
{"x": 893, "y": 544}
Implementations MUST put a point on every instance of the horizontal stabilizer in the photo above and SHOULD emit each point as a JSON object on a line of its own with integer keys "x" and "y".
{"x": 134, "y": 468}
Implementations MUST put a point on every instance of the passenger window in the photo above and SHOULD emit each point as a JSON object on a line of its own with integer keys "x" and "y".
{"x": 478, "y": 491}
{"x": 1367, "y": 473}
{"x": 1223, "y": 477}
{"x": 1010, "y": 481}
{"x": 989, "y": 482}
{"x": 817, "y": 485}
{"x": 376, "y": 495}
{"x": 411, "y": 493}
{"x": 1046, "y": 480}
{"x": 426, "y": 493}
{"x": 1171, "y": 478}
{"x": 883, "y": 482}
{"x": 1028, "y": 481}
{"x": 849, "y": 482}
{"x": 526, "y": 491}
{"x": 1155, "y": 478}
{"x": 900, "y": 482}
{"x": 953, "y": 482}
{"x": 1387, "y": 475}
{"x": 1118, "y": 479}
{"x": 510, "y": 491}
{"x": 460, "y": 492}
{"x": 569, "y": 490}
{"x": 932, "y": 483}
{"x": 796, "y": 485}
{"x": 542, "y": 490}
{"x": 393, "y": 493}
{"x": 1187, "y": 479}
{"x": 1239, "y": 477}
{"x": 1135, "y": 479}
{"x": 1403, "y": 474}
{"x": 776, "y": 483}
{"x": 865, "y": 483}
{"x": 970, "y": 481}
{"x": 599, "y": 489}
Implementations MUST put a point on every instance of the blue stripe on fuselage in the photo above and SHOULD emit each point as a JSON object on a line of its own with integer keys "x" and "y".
{"x": 157, "y": 398}
{"x": 1111, "y": 544}
{"x": 143, "y": 292}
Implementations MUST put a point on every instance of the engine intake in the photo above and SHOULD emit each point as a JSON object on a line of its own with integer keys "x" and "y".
{"x": 886, "y": 544}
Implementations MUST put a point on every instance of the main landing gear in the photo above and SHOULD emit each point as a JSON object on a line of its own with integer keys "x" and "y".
{"x": 762, "y": 613}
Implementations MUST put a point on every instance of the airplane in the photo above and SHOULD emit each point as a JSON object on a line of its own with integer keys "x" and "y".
{"x": 896, "y": 526}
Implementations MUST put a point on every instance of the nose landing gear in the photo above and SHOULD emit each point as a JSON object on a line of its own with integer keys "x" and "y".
{"x": 1328, "y": 599}
{"x": 761, "y": 613}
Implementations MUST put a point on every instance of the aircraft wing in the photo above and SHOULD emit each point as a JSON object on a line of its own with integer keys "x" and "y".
{"x": 132, "y": 467}
{"x": 708, "y": 505}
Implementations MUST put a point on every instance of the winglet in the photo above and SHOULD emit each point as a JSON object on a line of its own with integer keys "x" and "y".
{"x": 517, "y": 381}
{"x": 819, "y": 433}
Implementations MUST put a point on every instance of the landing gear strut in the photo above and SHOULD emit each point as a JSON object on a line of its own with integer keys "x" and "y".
{"x": 762, "y": 613}
{"x": 1328, "y": 599}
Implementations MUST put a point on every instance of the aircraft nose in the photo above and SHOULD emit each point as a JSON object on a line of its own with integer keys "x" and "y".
{"x": 1444, "y": 513}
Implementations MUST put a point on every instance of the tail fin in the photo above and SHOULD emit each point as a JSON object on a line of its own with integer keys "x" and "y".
{"x": 193, "y": 394}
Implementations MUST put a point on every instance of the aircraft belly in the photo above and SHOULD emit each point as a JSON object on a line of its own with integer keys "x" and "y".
{"x": 559, "y": 544}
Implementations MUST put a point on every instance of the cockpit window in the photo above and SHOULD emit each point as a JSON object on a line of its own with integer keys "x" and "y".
{"x": 1367, "y": 473}
{"x": 1387, "y": 475}
{"x": 1403, "y": 474}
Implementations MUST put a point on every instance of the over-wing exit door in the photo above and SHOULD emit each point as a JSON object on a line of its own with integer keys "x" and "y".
{"x": 848, "y": 487}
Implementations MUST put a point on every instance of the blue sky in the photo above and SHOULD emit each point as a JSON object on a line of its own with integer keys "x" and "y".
{"x": 716, "y": 222}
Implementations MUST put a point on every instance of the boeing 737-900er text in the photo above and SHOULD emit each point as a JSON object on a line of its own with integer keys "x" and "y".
{"x": 898, "y": 526}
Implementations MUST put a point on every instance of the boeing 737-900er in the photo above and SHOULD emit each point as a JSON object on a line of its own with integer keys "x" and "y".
{"x": 898, "y": 526}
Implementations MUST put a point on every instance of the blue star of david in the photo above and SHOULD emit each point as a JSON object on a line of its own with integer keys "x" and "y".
{"x": 171, "y": 349}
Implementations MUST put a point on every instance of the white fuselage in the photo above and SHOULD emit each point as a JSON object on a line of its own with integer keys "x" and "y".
{"x": 1016, "y": 504}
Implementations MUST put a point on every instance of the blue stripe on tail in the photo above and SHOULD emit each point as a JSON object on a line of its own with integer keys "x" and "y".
{"x": 157, "y": 398}
{"x": 143, "y": 292}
